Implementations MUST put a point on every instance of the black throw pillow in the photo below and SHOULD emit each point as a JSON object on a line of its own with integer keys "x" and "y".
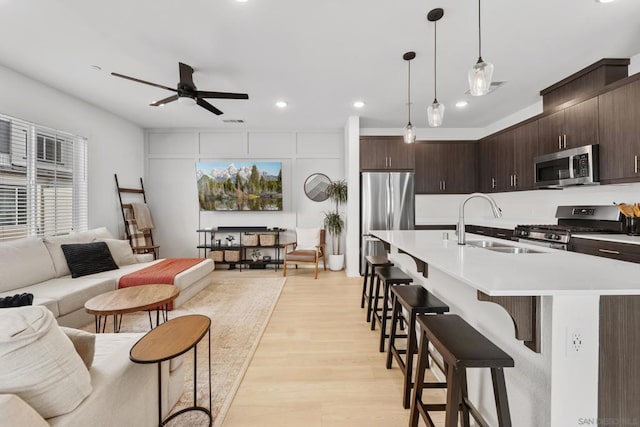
{"x": 88, "y": 258}
{"x": 18, "y": 300}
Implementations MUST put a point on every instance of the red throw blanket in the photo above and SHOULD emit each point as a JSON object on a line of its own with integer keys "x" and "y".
{"x": 162, "y": 273}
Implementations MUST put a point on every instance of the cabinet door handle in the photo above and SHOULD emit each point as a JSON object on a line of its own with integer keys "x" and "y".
{"x": 564, "y": 140}
{"x": 515, "y": 180}
{"x": 635, "y": 163}
{"x": 559, "y": 142}
{"x": 444, "y": 185}
{"x": 493, "y": 183}
{"x": 501, "y": 235}
{"x": 512, "y": 184}
{"x": 609, "y": 251}
{"x": 389, "y": 161}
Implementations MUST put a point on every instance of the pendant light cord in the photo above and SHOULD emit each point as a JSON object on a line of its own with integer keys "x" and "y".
{"x": 409, "y": 92}
{"x": 479, "y": 34}
{"x": 435, "y": 61}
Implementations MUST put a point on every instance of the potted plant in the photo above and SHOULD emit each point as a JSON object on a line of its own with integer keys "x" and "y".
{"x": 255, "y": 255}
{"x": 334, "y": 223}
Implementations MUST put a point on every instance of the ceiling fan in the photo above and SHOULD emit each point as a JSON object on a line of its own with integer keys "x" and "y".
{"x": 187, "y": 91}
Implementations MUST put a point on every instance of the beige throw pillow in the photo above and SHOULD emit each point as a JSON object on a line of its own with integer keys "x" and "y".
{"x": 120, "y": 251}
{"x": 83, "y": 342}
{"x": 39, "y": 364}
{"x": 307, "y": 238}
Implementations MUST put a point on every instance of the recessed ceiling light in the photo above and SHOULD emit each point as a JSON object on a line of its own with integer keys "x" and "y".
{"x": 95, "y": 67}
{"x": 604, "y": 1}
{"x": 461, "y": 104}
{"x": 241, "y": 1}
{"x": 358, "y": 104}
{"x": 281, "y": 104}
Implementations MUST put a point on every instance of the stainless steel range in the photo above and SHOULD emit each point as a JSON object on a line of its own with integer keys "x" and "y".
{"x": 572, "y": 220}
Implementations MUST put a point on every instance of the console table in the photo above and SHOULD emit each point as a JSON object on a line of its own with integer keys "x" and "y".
{"x": 214, "y": 240}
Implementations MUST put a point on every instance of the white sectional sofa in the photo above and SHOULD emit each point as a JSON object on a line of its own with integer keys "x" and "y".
{"x": 113, "y": 392}
{"x": 38, "y": 266}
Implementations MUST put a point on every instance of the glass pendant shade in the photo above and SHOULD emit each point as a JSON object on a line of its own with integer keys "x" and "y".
{"x": 480, "y": 78}
{"x": 409, "y": 134}
{"x": 435, "y": 113}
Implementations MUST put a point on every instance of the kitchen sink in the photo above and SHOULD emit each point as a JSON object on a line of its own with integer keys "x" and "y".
{"x": 501, "y": 247}
{"x": 488, "y": 244}
{"x": 513, "y": 250}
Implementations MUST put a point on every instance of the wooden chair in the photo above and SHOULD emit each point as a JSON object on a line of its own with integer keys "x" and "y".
{"x": 305, "y": 253}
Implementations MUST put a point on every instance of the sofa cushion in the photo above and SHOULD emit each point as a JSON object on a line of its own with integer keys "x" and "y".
{"x": 120, "y": 251}
{"x": 16, "y": 412}
{"x": 83, "y": 342}
{"x": 46, "y": 372}
{"x": 57, "y": 256}
{"x": 88, "y": 258}
{"x": 71, "y": 294}
{"x": 24, "y": 262}
{"x": 17, "y": 300}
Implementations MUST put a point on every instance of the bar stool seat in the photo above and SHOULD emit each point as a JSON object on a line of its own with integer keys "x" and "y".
{"x": 387, "y": 277}
{"x": 371, "y": 263}
{"x": 461, "y": 347}
{"x": 415, "y": 299}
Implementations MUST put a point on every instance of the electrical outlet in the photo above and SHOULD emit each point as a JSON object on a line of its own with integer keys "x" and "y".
{"x": 575, "y": 343}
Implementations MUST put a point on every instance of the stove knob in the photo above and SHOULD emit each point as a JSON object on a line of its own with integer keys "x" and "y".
{"x": 523, "y": 233}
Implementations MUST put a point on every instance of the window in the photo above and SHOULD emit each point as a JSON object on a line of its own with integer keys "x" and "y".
{"x": 5, "y": 137}
{"x": 43, "y": 181}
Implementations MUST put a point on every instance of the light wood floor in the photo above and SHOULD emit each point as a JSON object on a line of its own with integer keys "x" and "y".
{"x": 318, "y": 362}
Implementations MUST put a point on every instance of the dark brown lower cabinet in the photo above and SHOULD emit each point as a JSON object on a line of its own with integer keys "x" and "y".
{"x": 619, "y": 361}
{"x": 615, "y": 250}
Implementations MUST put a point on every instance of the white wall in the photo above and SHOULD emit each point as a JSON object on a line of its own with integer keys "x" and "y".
{"x": 171, "y": 156}
{"x": 115, "y": 145}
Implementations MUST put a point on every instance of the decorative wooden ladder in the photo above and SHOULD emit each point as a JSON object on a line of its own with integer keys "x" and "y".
{"x": 150, "y": 247}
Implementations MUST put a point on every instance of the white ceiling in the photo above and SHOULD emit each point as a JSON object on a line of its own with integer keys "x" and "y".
{"x": 319, "y": 56}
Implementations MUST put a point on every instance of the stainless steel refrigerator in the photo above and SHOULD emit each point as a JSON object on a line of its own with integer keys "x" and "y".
{"x": 387, "y": 203}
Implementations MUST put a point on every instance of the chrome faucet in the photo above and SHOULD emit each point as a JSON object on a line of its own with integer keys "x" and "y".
{"x": 497, "y": 213}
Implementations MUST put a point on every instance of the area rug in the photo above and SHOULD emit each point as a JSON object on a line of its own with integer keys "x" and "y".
{"x": 239, "y": 309}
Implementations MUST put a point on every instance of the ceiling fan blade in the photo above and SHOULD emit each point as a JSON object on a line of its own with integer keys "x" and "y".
{"x": 186, "y": 75}
{"x": 164, "y": 101}
{"x": 204, "y": 104}
{"x": 142, "y": 81}
{"x": 221, "y": 95}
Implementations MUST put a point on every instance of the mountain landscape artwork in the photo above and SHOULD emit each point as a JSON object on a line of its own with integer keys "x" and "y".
{"x": 239, "y": 186}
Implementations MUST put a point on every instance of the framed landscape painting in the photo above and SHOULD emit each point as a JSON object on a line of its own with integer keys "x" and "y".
{"x": 239, "y": 186}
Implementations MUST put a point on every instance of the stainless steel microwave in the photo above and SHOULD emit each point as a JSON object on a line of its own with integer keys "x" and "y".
{"x": 575, "y": 166}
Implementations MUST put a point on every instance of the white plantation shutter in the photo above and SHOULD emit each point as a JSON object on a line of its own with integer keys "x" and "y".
{"x": 43, "y": 180}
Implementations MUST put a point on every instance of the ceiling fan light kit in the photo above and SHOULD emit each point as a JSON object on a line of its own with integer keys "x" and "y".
{"x": 186, "y": 92}
{"x": 435, "y": 111}
{"x": 481, "y": 73}
{"x": 409, "y": 132}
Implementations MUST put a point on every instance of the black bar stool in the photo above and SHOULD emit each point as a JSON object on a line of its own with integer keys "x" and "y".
{"x": 388, "y": 277}
{"x": 415, "y": 299}
{"x": 371, "y": 262}
{"x": 461, "y": 347}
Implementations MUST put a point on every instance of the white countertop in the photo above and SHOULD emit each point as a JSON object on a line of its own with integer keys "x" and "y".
{"x": 550, "y": 272}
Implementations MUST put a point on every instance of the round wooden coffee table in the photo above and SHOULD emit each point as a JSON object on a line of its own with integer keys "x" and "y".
{"x": 171, "y": 339}
{"x": 129, "y": 300}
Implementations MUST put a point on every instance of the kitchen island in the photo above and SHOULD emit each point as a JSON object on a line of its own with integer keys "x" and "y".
{"x": 553, "y": 300}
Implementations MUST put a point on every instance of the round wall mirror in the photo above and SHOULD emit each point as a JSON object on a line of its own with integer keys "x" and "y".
{"x": 315, "y": 187}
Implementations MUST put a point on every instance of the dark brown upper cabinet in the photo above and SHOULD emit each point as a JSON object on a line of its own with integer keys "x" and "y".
{"x": 506, "y": 159}
{"x": 385, "y": 153}
{"x": 574, "y": 126}
{"x": 488, "y": 171}
{"x": 446, "y": 167}
{"x": 619, "y": 123}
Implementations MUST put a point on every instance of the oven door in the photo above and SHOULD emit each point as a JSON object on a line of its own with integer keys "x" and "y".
{"x": 552, "y": 245}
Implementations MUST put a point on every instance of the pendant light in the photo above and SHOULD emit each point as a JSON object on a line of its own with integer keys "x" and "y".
{"x": 481, "y": 73}
{"x": 435, "y": 112}
{"x": 409, "y": 132}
